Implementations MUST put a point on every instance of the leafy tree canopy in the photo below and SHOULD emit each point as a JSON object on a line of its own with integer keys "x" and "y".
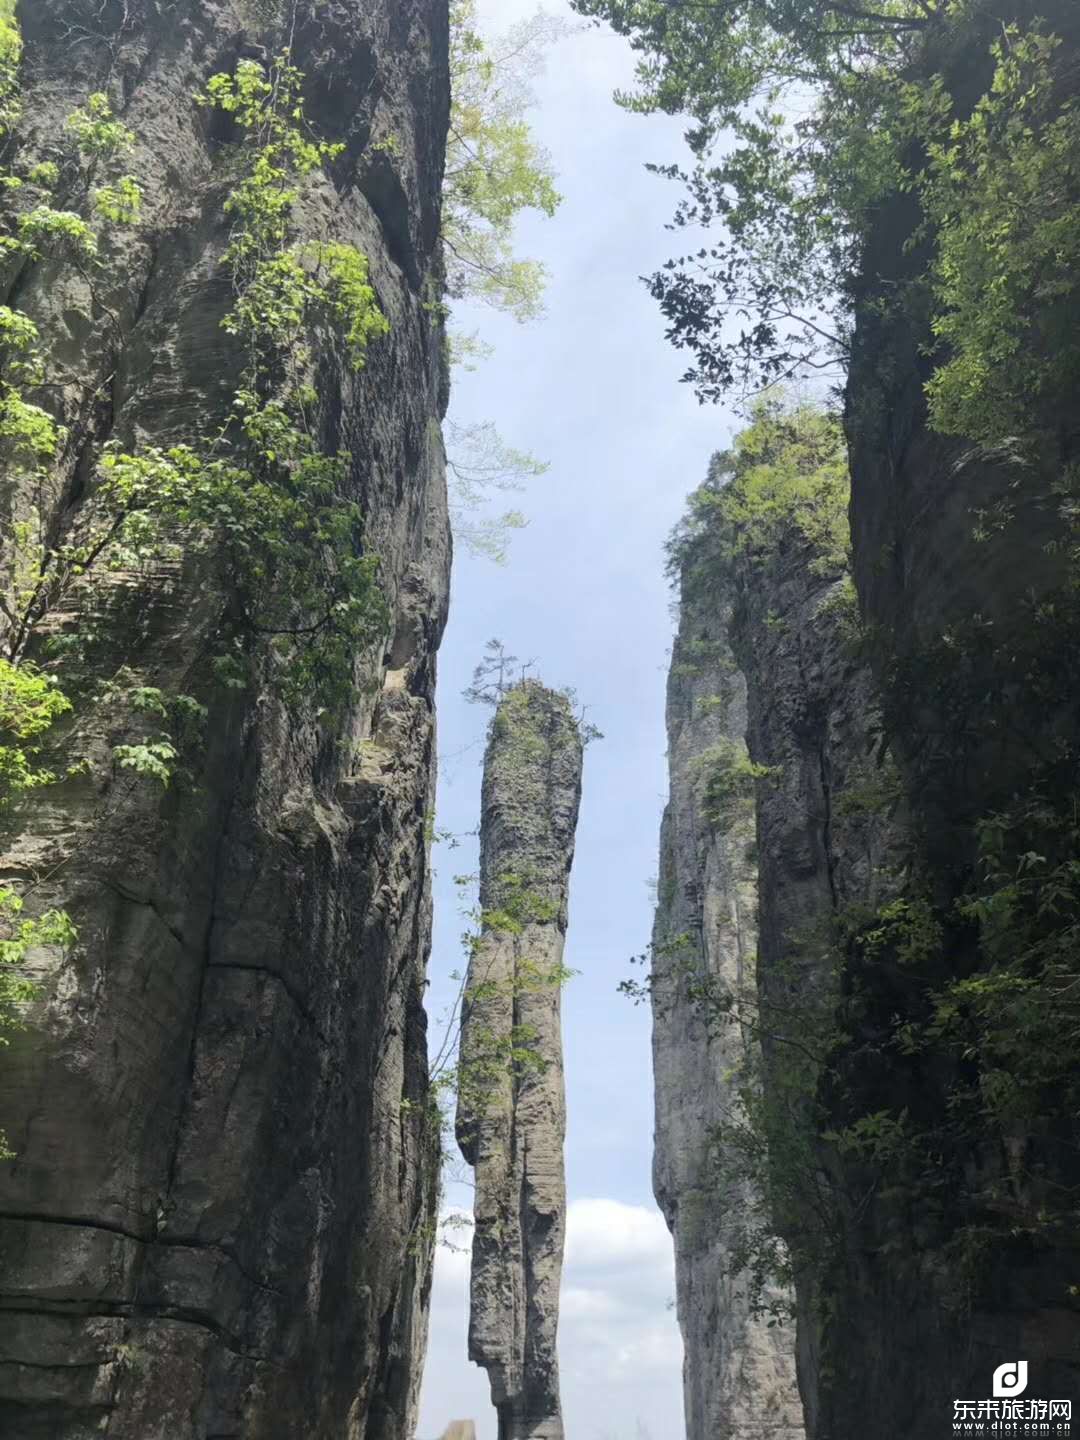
{"x": 805, "y": 115}
{"x": 495, "y": 171}
{"x": 494, "y": 167}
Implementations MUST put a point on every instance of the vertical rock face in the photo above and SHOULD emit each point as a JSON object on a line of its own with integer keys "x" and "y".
{"x": 829, "y": 847}
{"x": 775, "y": 833}
{"x": 917, "y": 755}
{"x": 216, "y": 1221}
{"x": 917, "y": 854}
{"x": 972, "y": 640}
{"x": 859, "y": 788}
{"x": 739, "y": 1372}
{"x": 511, "y": 1119}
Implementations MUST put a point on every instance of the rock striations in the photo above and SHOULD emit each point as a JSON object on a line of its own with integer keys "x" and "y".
{"x": 847, "y": 740}
{"x": 768, "y": 718}
{"x": 912, "y": 736}
{"x": 511, "y": 1117}
{"x": 739, "y": 1371}
{"x": 829, "y": 844}
{"x": 218, "y": 1220}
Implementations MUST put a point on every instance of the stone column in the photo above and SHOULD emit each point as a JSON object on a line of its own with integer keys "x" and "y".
{"x": 511, "y": 1118}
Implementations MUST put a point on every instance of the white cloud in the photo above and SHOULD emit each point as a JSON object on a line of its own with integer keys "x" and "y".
{"x": 619, "y": 1347}
{"x": 601, "y": 1233}
{"x": 579, "y": 1304}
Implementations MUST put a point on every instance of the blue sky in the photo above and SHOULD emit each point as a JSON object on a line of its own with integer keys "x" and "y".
{"x": 592, "y": 388}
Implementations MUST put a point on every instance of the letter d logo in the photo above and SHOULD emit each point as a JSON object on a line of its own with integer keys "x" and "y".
{"x": 1010, "y": 1380}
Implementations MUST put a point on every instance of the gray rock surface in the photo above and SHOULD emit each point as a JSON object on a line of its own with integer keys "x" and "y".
{"x": 218, "y": 1221}
{"x": 813, "y": 719}
{"x": 511, "y": 1119}
{"x": 929, "y": 571}
{"x": 739, "y": 1372}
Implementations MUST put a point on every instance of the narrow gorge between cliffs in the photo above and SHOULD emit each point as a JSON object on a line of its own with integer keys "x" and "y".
{"x": 539, "y": 719}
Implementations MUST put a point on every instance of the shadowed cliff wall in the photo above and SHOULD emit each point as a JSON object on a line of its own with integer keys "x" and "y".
{"x": 218, "y": 1219}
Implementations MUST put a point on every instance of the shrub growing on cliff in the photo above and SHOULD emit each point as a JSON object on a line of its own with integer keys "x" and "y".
{"x": 786, "y": 184}
{"x": 785, "y": 476}
{"x": 1002, "y": 196}
{"x": 300, "y": 596}
{"x": 494, "y": 167}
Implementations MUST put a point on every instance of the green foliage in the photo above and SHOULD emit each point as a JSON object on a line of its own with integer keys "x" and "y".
{"x": 43, "y": 176}
{"x": 1017, "y": 1018}
{"x": 496, "y": 675}
{"x": 40, "y": 571}
{"x": 296, "y": 540}
{"x": 1002, "y": 195}
{"x": 730, "y": 780}
{"x": 514, "y": 724}
{"x": 479, "y": 462}
{"x": 878, "y": 1139}
{"x": 120, "y": 203}
{"x": 44, "y": 228}
{"x": 519, "y": 904}
{"x": 878, "y": 793}
{"x": 494, "y": 172}
{"x": 30, "y": 431}
{"x": 964, "y": 986}
{"x": 20, "y": 936}
{"x": 303, "y": 595}
{"x": 905, "y": 928}
{"x": 782, "y": 185}
{"x": 153, "y": 759}
{"x": 350, "y": 299}
{"x": 494, "y": 168}
{"x": 476, "y": 1078}
{"x": 30, "y": 701}
{"x": 30, "y": 704}
{"x": 96, "y": 131}
{"x": 786, "y": 476}
{"x": 781, "y": 1211}
{"x": 501, "y": 681}
{"x": 179, "y": 722}
{"x": 10, "y": 58}
{"x": 805, "y": 116}
{"x": 268, "y": 110}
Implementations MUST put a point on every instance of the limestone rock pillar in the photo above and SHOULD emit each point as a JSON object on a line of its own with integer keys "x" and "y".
{"x": 511, "y": 1118}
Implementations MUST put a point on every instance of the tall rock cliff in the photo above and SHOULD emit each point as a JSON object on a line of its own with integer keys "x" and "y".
{"x": 511, "y": 1119}
{"x": 965, "y": 1255}
{"x": 779, "y": 826}
{"x": 739, "y": 1368}
{"x": 918, "y": 770}
{"x": 912, "y": 734}
{"x": 217, "y": 1220}
{"x": 830, "y": 848}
